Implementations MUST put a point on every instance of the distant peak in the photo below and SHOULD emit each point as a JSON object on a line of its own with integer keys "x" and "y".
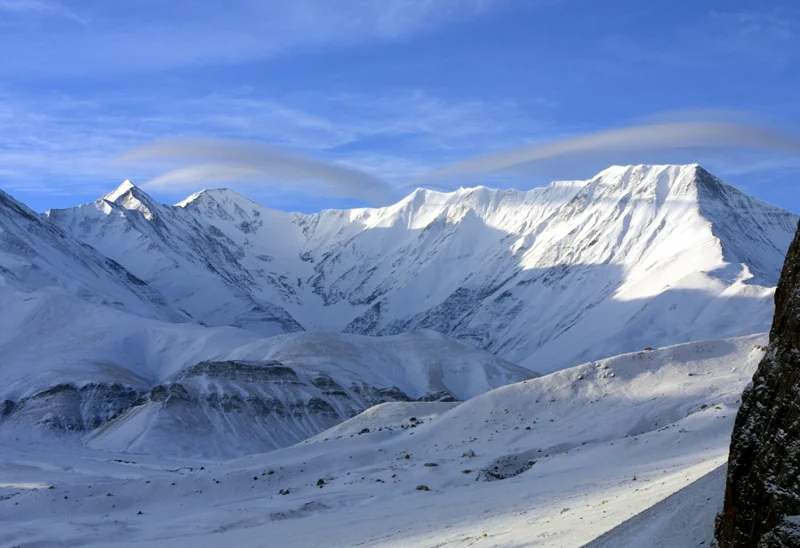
{"x": 131, "y": 197}
{"x": 121, "y": 190}
{"x": 215, "y": 194}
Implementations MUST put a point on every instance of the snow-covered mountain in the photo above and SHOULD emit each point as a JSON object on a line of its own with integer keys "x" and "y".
{"x": 131, "y": 322}
{"x": 36, "y": 254}
{"x": 148, "y": 330}
{"x": 637, "y": 256}
{"x": 194, "y": 264}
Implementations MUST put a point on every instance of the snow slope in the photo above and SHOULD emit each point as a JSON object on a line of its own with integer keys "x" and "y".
{"x": 129, "y": 383}
{"x": 637, "y": 256}
{"x": 276, "y": 392}
{"x": 607, "y": 440}
{"x": 685, "y": 518}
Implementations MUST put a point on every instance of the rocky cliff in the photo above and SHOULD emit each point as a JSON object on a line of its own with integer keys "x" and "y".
{"x": 762, "y": 498}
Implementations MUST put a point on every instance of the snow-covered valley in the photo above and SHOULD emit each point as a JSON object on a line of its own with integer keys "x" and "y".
{"x": 552, "y": 461}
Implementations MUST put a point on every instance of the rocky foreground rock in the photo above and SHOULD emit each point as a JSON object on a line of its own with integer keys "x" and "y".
{"x": 762, "y": 497}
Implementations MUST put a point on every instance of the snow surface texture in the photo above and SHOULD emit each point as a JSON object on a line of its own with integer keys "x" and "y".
{"x": 553, "y": 461}
{"x": 682, "y": 519}
{"x": 638, "y": 256}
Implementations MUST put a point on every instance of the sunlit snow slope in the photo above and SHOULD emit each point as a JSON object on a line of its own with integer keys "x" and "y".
{"x": 637, "y": 256}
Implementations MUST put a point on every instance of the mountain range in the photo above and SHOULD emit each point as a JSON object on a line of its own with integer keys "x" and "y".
{"x": 129, "y": 322}
{"x": 548, "y": 278}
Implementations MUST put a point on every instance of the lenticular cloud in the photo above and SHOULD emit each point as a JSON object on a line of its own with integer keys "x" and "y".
{"x": 662, "y": 136}
{"x": 217, "y": 160}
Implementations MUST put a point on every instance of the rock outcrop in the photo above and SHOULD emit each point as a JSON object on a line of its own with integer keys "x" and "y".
{"x": 762, "y": 498}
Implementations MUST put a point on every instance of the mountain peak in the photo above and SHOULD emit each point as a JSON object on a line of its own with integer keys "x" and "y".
{"x": 131, "y": 197}
{"x": 121, "y": 190}
{"x": 646, "y": 171}
{"x": 216, "y": 195}
{"x": 617, "y": 168}
{"x": 592, "y": 266}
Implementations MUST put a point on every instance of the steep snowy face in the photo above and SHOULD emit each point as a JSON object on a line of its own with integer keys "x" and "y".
{"x": 637, "y": 256}
{"x": 35, "y": 254}
{"x": 215, "y": 279}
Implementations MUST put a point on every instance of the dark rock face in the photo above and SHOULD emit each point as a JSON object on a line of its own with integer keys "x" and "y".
{"x": 763, "y": 486}
{"x": 213, "y": 408}
{"x": 786, "y": 534}
{"x": 69, "y": 408}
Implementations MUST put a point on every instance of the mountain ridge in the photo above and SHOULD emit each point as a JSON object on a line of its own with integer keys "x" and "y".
{"x": 513, "y": 272}
{"x": 36, "y": 254}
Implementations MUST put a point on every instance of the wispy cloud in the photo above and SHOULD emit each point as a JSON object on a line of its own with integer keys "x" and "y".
{"x": 47, "y": 8}
{"x": 771, "y": 36}
{"x": 610, "y": 144}
{"x": 716, "y": 38}
{"x": 260, "y": 165}
{"x": 62, "y": 144}
{"x": 142, "y": 36}
{"x": 355, "y": 145}
{"x": 352, "y": 145}
{"x": 57, "y": 144}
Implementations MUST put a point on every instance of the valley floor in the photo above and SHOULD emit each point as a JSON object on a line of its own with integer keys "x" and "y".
{"x": 611, "y": 447}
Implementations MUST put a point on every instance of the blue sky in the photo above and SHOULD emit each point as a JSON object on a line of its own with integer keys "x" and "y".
{"x": 393, "y": 88}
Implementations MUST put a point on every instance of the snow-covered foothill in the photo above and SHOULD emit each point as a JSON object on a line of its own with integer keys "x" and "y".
{"x": 126, "y": 383}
